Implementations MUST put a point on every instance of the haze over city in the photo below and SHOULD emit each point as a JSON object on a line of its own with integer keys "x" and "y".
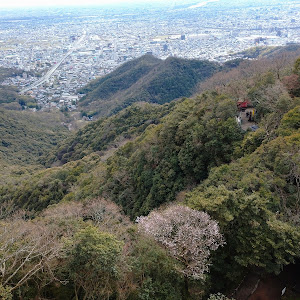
{"x": 37, "y": 3}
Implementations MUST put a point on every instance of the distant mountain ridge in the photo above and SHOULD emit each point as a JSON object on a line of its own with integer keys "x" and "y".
{"x": 147, "y": 79}
{"x": 271, "y": 51}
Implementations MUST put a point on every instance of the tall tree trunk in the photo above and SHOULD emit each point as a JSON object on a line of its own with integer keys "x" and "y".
{"x": 76, "y": 292}
{"x": 185, "y": 292}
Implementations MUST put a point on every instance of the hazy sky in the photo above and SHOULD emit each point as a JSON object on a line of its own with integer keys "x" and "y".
{"x": 28, "y": 3}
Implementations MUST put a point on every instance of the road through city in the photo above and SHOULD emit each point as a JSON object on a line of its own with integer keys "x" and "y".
{"x": 47, "y": 76}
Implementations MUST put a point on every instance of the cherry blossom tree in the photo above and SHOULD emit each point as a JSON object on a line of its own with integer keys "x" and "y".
{"x": 188, "y": 235}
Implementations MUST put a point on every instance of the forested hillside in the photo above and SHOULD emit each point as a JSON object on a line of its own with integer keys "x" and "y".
{"x": 256, "y": 202}
{"x": 145, "y": 79}
{"x": 108, "y": 133}
{"x": 26, "y": 136}
{"x": 172, "y": 201}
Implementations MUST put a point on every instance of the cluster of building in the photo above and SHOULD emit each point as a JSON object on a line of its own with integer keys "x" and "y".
{"x": 109, "y": 38}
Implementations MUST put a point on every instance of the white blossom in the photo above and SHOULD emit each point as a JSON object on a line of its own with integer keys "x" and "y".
{"x": 189, "y": 236}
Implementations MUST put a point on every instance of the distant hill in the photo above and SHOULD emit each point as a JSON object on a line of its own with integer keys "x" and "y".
{"x": 257, "y": 60}
{"x": 271, "y": 52}
{"x": 9, "y": 94}
{"x": 8, "y": 72}
{"x": 146, "y": 79}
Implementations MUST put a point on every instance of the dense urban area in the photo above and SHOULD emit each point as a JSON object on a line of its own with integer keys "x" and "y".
{"x": 65, "y": 50}
{"x": 150, "y": 151}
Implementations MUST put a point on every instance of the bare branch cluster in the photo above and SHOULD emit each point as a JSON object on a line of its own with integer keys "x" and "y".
{"x": 25, "y": 249}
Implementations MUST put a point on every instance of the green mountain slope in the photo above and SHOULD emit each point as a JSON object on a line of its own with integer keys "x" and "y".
{"x": 26, "y": 136}
{"x": 192, "y": 152}
{"x": 145, "y": 79}
{"x": 145, "y": 155}
{"x": 197, "y": 135}
{"x": 149, "y": 169}
{"x": 107, "y": 133}
{"x": 256, "y": 202}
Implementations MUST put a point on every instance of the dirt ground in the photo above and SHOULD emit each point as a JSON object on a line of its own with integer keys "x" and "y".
{"x": 271, "y": 286}
{"x": 245, "y": 120}
{"x": 268, "y": 289}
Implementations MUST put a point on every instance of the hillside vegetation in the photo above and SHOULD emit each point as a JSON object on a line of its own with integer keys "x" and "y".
{"x": 108, "y": 133}
{"x": 241, "y": 76}
{"x": 26, "y": 136}
{"x": 256, "y": 202}
{"x": 8, "y": 72}
{"x": 144, "y": 79}
{"x": 271, "y": 52}
{"x": 241, "y": 187}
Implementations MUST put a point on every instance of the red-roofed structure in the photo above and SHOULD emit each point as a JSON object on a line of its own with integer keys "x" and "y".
{"x": 244, "y": 104}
